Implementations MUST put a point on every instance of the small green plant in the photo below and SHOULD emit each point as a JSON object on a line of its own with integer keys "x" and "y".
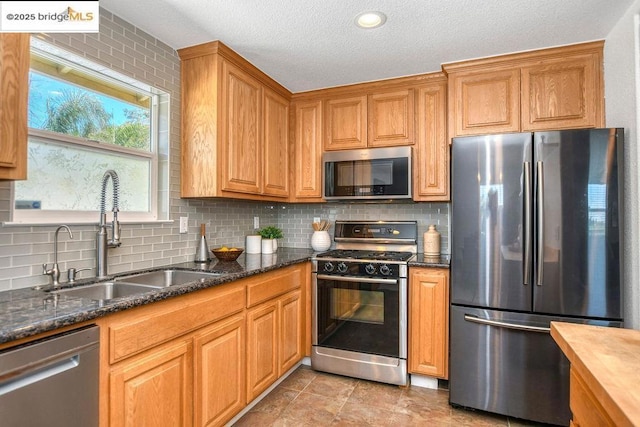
{"x": 270, "y": 232}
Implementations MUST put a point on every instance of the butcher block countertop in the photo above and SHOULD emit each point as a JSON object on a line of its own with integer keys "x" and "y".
{"x": 608, "y": 360}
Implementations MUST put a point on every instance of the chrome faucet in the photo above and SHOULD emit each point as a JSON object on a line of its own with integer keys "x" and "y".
{"x": 54, "y": 272}
{"x": 102, "y": 242}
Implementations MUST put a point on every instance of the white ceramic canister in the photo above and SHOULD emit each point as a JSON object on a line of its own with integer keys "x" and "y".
{"x": 253, "y": 245}
{"x": 267, "y": 246}
{"x": 431, "y": 241}
{"x": 320, "y": 240}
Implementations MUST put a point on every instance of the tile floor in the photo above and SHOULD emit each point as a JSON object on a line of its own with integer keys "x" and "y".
{"x": 310, "y": 398}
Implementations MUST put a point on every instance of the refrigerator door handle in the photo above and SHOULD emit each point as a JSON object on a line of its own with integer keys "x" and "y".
{"x": 526, "y": 265}
{"x": 540, "y": 204}
{"x": 506, "y": 325}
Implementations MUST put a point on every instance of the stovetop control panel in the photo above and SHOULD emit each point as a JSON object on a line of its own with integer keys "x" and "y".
{"x": 372, "y": 268}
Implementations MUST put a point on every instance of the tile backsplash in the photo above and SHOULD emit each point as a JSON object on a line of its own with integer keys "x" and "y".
{"x": 132, "y": 52}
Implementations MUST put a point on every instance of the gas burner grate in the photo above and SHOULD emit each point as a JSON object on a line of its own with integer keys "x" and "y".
{"x": 356, "y": 254}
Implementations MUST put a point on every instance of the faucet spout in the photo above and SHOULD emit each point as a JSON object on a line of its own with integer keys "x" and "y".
{"x": 102, "y": 241}
{"x": 54, "y": 272}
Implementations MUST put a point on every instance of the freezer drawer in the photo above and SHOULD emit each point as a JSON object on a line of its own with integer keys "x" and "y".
{"x": 516, "y": 372}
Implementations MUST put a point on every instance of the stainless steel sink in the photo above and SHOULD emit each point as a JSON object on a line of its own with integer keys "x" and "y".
{"x": 165, "y": 278}
{"x": 105, "y": 290}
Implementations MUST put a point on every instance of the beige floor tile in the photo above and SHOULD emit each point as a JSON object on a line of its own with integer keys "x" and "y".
{"x": 334, "y": 386}
{"x": 316, "y": 399}
{"x": 371, "y": 393}
{"x": 312, "y": 409}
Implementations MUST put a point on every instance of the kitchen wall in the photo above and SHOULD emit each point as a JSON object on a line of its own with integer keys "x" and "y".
{"x": 132, "y": 52}
{"x": 622, "y": 74}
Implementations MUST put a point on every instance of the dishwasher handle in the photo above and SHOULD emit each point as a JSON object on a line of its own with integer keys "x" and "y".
{"x": 32, "y": 362}
{"x": 23, "y": 379}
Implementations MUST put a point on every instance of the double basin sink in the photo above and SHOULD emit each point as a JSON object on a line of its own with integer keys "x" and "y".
{"x": 135, "y": 284}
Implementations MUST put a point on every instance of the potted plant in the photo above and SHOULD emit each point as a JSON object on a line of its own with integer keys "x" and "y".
{"x": 269, "y": 235}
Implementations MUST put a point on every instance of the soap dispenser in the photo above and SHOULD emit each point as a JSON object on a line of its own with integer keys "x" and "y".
{"x": 202, "y": 251}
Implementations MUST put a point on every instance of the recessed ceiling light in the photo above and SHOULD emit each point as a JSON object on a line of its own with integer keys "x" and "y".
{"x": 368, "y": 20}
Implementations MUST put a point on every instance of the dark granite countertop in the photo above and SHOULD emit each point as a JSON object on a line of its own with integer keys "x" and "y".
{"x": 27, "y": 312}
{"x": 442, "y": 261}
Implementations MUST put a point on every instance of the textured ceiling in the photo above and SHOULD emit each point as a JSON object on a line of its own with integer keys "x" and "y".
{"x": 312, "y": 44}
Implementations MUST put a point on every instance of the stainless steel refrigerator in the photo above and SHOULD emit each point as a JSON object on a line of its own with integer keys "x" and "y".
{"x": 536, "y": 237}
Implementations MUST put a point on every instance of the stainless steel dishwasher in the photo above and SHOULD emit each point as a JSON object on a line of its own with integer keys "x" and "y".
{"x": 51, "y": 382}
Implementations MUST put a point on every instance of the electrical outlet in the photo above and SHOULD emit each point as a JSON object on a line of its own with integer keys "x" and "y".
{"x": 256, "y": 222}
{"x": 316, "y": 219}
{"x": 184, "y": 224}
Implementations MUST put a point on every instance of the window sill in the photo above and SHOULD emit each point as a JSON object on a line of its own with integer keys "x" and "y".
{"x": 49, "y": 224}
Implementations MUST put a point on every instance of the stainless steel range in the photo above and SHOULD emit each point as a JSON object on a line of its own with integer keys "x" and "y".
{"x": 360, "y": 301}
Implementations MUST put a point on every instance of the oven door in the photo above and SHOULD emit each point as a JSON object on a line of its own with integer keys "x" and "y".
{"x": 362, "y": 315}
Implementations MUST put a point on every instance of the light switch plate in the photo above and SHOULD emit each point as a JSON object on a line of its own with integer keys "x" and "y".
{"x": 256, "y": 222}
{"x": 184, "y": 224}
{"x": 316, "y": 219}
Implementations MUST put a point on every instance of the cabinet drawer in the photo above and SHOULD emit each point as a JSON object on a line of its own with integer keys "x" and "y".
{"x": 160, "y": 322}
{"x": 269, "y": 285}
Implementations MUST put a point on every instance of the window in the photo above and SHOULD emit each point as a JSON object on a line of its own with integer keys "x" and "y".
{"x": 84, "y": 120}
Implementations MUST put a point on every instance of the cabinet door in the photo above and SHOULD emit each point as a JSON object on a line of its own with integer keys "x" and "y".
{"x": 563, "y": 93}
{"x": 219, "y": 357}
{"x": 391, "y": 118}
{"x": 484, "y": 102}
{"x": 346, "y": 123}
{"x": 291, "y": 335}
{"x": 14, "y": 92}
{"x": 429, "y": 322}
{"x": 262, "y": 348}
{"x": 241, "y": 157}
{"x": 276, "y": 144}
{"x": 307, "y": 167}
{"x": 153, "y": 390}
{"x": 431, "y": 154}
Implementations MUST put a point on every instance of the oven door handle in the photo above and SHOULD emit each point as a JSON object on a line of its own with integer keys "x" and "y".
{"x": 356, "y": 279}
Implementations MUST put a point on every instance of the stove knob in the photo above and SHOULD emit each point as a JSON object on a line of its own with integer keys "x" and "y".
{"x": 385, "y": 270}
{"x": 342, "y": 267}
{"x": 370, "y": 269}
{"x": 328, "y": 266}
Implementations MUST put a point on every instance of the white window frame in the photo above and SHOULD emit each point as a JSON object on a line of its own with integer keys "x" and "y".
{"x": 37, "y": 216}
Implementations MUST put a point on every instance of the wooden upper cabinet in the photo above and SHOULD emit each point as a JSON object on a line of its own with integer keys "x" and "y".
{"x": 557, "y": 88}
{"x": 431, "y": 153}
{"x": 485, "y": 102}
{"x": 276, "y": 144}
{"x": 307, "y": 152}
{"x": 391, "y": 118}
{"x": 14, "y": 92}
{"x": 346, "y": 123}
{"x": 241, "y": 169}
{"x": 563, "y": 93}
{"x": 235, "y": 127}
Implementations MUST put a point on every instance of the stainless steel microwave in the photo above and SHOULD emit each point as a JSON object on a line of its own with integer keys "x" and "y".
{"x": 367, "y": 174}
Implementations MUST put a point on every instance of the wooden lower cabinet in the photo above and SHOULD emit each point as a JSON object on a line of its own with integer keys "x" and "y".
{"x": 274, "y": 341}
{"x": 262, "y": 348}
{"x": 154, "y": 389}
{"x": 219, "y": 361}
{"x": 429, "y": 322}
{"x": 291, "y": 331}
{"x": 585, "y": 408}
{"x": 199, "y": 359}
